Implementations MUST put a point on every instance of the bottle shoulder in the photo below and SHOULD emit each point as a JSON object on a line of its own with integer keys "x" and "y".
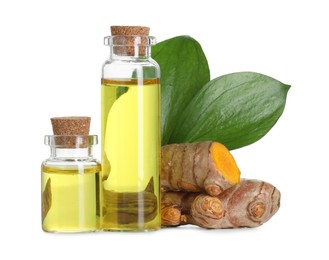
{"x": 130, "y": 62}
{"x": 152, "y": 61}
{"x": 145, "y": 68}
{"x": 73, "y": 162}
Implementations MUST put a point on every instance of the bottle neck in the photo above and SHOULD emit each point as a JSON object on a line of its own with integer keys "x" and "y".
{"x": 71, "y": 153}
{"x": 129, "y": 47}
{"x": 137, "y": 52}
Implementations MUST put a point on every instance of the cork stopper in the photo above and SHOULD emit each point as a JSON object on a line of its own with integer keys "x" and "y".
{"x": 74, "y": 125}
{"x": 130, "y": 30}
{"x": 130, "y": 40}
{"x": 68, "y": 128}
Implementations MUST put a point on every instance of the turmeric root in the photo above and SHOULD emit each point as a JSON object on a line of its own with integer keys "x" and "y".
{"x": 196, "y": 167}
{"x": 247, "y": 204}
{"x": 175, "y": 206}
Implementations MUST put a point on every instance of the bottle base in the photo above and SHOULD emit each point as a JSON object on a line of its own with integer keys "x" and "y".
{"x": 131, "y": 230}
{"x": 64, "y": 231}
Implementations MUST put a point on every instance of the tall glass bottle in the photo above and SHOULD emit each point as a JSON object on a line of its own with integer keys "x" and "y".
{"x": 130, "y": 132}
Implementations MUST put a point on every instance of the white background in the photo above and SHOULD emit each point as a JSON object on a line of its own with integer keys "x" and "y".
{"x": 51, "y": 54}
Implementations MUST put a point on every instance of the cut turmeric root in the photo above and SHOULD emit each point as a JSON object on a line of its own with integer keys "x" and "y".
{"x": 247, "y": 204}
{"x": 204, "y": 166}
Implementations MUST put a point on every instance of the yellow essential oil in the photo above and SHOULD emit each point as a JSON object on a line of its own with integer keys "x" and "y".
{"x": 130, "y": 154}
{"x": 70, "y": 198}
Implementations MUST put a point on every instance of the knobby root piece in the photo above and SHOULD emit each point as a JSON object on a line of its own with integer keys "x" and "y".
{"x": 196, "y": 167}
{"x": 247, "y": 204}
{"x": 171, "y": 216}
{"x": 175, "y": 207}
{"x": 206, "y": 211}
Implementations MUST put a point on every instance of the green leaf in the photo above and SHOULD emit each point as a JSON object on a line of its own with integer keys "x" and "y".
{"x": 235, "y": 109}
{"x": 184, "y": 70}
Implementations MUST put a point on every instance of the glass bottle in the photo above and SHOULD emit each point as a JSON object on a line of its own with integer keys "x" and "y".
{"x": 70, "y": 185}
{"x": 130, "y": 132}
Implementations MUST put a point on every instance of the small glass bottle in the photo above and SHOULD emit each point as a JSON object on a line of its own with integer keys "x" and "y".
{"x": 130, "y": 132}
{"x": 70, "y": 183}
